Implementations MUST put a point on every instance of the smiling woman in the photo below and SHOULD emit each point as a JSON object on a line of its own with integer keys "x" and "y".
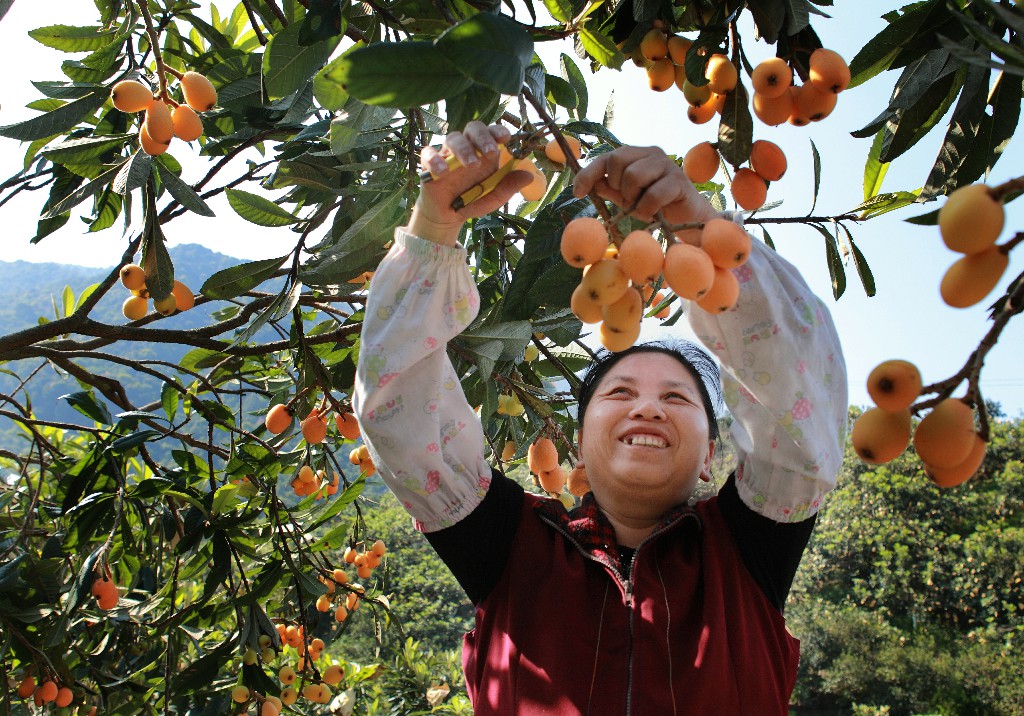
{"x": 639, "y": 600}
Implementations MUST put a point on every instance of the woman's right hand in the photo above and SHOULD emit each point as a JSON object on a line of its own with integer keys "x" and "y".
{"x": 476, "y": 148}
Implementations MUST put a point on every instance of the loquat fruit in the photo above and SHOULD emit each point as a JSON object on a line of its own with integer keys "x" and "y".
{"x": 542, "y": 455}
{"x": 184, "y": 299}
{"x": 827, "y": 71}
{"x": 167, "y": 305}
{"x": 677, "y": 49}
{"x": 971, "y": 220}
{"x": 767, "y": 159}
{"x": 278, "y": 418}
{"x": 641, "y": 257}
{"x": 576, "y": 481}
{"x": 810, "y": 104}
{"x": 661, "y": 75}
{"x": 654, "y": 45}
{"x": 703, "y": 114}
{"x": 695, "y": 95}
{"x": 240, "y": 694}
{"x": 158, "y": 123}
{"x": 48, "y": 691}
{"x": 722, "y": 295}
{"x": 135, "y": 308}
{"x": 945, "y": 436}
{"x": 198, "y": 91}
{"x": 149, "y": 145}
{"x": 552, "y": 480}
{"x": 879, "y": 436}
{"x": 348, "y": 426}
{"x": 771, "y": 78}
{"x": 286, "y": 675}
{"x": 553, "y": 150}
{"x": 534, "y": 191}
{"x": 341, "y": 613}
{"x": 188, "y": 127}
{"x": 314, "y": 427}
{"x": 333, "y": 674}
{"x": 721, "y": 74}
{"x": 508, "y": 451}
{"x": 748, "y": 189}
{"x": 773, "y": 111}
{"x": 64, "y": 697}
{"x": 894, "y": 384}
{"x": 289, "y": 696}
{"x": 583, "y": 306}
{"x": 133, "y": 277}
{"x": 618, "y": 339}
{"x": 725, "y": 242}
{"x": 701, "y": 163}
{"x": 689, "y": 271}
{"x": 583, "y": 241}
{"x": 961, "y": 472}
{"x": 131, "y": 96}
{"x": 604, "y": 282}
{"x": 27, "y": 686}
{"x": 624, "y": 313}
{"x": 378, "y": 548}
{"x": 973, "y": 277}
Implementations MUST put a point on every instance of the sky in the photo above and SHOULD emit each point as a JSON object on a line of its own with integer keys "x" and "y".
{"x": 906, "y": 319}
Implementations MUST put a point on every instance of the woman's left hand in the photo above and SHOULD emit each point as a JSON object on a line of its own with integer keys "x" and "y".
{"x": 647, "y": 181}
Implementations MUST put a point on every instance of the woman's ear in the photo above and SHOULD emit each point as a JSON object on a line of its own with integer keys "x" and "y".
{"x": 705, "y": 471}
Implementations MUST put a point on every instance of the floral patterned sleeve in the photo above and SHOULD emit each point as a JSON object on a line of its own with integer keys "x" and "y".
{"x": 784, "y": 381}
{"x": 424, "y": 438}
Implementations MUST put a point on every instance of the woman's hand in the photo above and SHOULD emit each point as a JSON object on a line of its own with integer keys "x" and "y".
{"x": 647, "y": 181}
{"x": 476, "y": 148}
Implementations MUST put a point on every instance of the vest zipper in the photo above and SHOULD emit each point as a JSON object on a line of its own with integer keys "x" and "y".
{"x": 627, "y": 584}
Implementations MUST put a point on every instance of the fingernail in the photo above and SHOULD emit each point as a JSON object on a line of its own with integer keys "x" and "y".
{"x": 438, "y": 164}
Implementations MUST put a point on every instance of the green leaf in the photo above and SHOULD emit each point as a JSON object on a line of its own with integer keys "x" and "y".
{"x": 914, "y": 123}
{"x": 579, "y": 84}
{"x": 288, "y": 65}
{"x": 874, "y": 169}
{"x": 182, "y": 192}
{"x": 601, "y": 48}
{"x": 258, "y": 210}
{"x": 356, "y": 118}
{"x": 236, "y": 280}
{"x": 87, "y": 404}
{"x": 489, "y": 49}
{"x": 929, "y": 219}
{"x": 340, "y": 502}
{"x": 403, "y": 74}
{"x": 560, "y": 92}
{"x": 134, "y": 174}
{"x": 736, "y": 130}
{"x": 156, "y": 261}
{"x": 560, "y": 10}
{"x": 817, "y": 175}
{"x": 81, "y": 151}
{"x": 769, "y": 18}
{"x": 67, "y": 38}
{"x": 884, "y": 203}
{"x": 965, "y": 138}
{"x": 512, "y": 337}
{"x": 169, "y": 400}
{"x": 836, "y": 270}
{"x": 56, "y": 122}
{"x": 902, "y": 33}
{"x": 867, "y": 279}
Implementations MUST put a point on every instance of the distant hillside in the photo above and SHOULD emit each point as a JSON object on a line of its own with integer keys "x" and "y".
{"x": 28, "y": 292}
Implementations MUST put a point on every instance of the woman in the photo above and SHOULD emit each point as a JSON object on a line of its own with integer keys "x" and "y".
{"x": 636, "y": 602}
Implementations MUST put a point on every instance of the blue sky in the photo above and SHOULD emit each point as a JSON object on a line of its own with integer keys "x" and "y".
{"x": 907, "y": 319}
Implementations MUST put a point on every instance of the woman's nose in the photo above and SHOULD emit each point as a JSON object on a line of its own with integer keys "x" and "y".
{"x": 647, "y": 407}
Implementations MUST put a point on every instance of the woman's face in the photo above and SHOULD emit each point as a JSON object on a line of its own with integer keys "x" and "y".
{"x": 645, "y": 438}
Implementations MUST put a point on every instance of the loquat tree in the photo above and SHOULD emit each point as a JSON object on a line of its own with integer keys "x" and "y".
{"x": 202, "y": 549}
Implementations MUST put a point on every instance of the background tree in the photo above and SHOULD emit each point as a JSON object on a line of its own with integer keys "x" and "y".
{"x": 169, "y": 551}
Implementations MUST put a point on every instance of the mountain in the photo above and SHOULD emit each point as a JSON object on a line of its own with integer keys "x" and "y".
{"x": 29, "y": 292}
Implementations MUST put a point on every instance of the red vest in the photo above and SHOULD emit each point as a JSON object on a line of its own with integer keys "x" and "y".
{"x": 689, "y": 633}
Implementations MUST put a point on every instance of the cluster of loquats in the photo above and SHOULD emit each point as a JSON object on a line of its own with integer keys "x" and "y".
{"x": 297, "y": 677}
{"x": 777, "y": 100}
{"x": 749, "y": 184}
{"x": 534, "y": 191}
{"x": 136, "y": 306}
{"x": 945, "y": 440}
{"x": 542, "y": 459}
{"x": 365, "y": 562}
{"x": 307, "y": 482}
{"x": 618, "y": 283}
{"x": 164, "y": 118}
{"x": 970, "y": 222}
{"x": 48, "y": 691}
{"x": 314, "y": 426}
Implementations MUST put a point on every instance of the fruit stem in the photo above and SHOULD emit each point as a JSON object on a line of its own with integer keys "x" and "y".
{"x": 154, "y": 43}
{"x": 570, "y": 159}
{"x": 999, "y": 191}
{"x": 1011, "y": 244}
